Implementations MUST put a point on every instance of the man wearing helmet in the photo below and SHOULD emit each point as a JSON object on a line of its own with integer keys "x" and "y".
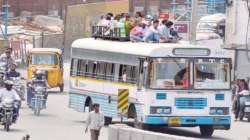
{"x": 9, "y": 93}
{"x": 37, "y": 79}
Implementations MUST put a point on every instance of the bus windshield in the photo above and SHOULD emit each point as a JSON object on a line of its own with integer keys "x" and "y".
{"x": 212, "y": 74}
{"x": 44, "y": 59}
{"x": 169, "y": 73}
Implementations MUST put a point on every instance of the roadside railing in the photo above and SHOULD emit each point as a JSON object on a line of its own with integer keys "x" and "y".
{"x": 109, "y": 33}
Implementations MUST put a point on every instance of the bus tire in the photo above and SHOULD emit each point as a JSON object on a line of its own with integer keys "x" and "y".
{"x": 133, "y": 114}
{"x": 206, "y": 130}
{"x": 107, "y": 120}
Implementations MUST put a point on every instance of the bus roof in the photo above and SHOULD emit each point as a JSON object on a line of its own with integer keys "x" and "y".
{"x": 144, "y": 49}
{"x": 43, "y": 50}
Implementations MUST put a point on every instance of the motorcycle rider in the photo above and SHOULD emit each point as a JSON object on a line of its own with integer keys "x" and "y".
{"x": 9, "y": 60}
{"x": 9, "y": 93}
{"x": 242, "y": 96}
{"x": 37, "y": 79}
{"x": 12, "y": 72}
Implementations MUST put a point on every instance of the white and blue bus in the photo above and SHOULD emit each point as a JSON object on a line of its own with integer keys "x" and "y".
{"x": 170, "y": 84}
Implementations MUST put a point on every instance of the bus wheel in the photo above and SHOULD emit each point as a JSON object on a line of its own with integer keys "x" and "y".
{"x": 132, "y": 114}
{"x": 206, "y": 130}
{"x": 107, "y": 120}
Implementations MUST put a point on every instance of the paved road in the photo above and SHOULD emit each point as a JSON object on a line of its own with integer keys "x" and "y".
{"x": 58, "y": 122}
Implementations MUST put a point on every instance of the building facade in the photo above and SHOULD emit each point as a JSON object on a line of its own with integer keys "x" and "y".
{"x": 52, "y": 7}
{"x": 180, "y": 9}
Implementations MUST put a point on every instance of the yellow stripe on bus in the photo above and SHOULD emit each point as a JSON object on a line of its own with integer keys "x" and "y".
{"x": 101, "y": 81}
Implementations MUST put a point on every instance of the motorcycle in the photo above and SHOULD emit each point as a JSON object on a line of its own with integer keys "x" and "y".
{"x": 18, "y": 87}
{"x": 38, "y": 101}
{"x": 7, "y": 113}
{"x": 245, "y": 111}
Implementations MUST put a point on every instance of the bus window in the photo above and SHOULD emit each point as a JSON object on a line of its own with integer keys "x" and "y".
{"x": 101, "y": 70}
{"x": 73, "y": 70}
{"x": 83, "y": 67}
{"x": 109, "y": 71}
{"x": 91, "y": 68}
{"x": 128, "y": 73}
{"x": 169, "y": 73}
{"x": 212, "y": 74}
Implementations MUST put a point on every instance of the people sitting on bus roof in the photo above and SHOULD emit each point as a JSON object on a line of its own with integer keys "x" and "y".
{"x": 129, "y": 24}
{"x": 138, "y": 32}
{"x": 173, "y": 33}
{"x": 122, "y": 25}
{"x": 152, "y": 34}
{"x": 138, "y": 18}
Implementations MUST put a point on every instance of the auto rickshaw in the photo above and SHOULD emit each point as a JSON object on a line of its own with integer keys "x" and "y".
{"x": 49, "y": 60}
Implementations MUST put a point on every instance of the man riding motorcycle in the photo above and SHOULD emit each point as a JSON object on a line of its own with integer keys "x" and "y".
{"x": 9, "y": 60}
{"x": 37, "y": 79}
{"x": 242, "y": 96}
{"x": 12, "y": 73}
{"x": 9, "y": 93}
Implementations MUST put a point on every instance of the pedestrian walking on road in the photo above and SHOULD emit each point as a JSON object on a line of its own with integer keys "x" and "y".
{"x": 95, "y": 122}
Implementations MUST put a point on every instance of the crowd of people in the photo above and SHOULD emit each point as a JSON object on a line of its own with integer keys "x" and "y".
{"x": 137, "y": 28}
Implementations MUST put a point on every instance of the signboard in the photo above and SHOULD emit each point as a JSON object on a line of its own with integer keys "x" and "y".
{"x": 191, "y": 52}
{"x": 181, "y": 27}
{"x": 122, "y": 105}
{"x": 164, "y": 15}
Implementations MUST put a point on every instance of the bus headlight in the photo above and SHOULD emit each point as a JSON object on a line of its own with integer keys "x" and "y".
{"x": 160, "y": 110}
{"x": 219, "y": 111}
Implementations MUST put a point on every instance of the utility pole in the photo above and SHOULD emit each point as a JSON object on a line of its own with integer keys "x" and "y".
{"x": 5, "y": 14}
{"x": 192, "y": 36}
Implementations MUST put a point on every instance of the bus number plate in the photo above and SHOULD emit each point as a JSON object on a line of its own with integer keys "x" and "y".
{"x": 174, "y": 121}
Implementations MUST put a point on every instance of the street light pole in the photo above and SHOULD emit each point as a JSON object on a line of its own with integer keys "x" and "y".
{"x": 194, "y": 16}
{"x": 5, "y": 14}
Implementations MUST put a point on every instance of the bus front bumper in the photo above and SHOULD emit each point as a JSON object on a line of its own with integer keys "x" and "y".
{"x": 189, "y": 120}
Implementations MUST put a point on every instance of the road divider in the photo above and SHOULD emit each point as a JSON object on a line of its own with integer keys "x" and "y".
{"x": 125, "y": 132}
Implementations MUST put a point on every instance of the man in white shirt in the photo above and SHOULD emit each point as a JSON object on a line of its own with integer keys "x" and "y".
{"x": 8, "y": 58}
{"x": 95, "y": 122}
{"x": 152, "y": 34}
{"x": 9, "y": 93}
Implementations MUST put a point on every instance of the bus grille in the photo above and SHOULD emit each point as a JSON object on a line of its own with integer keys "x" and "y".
{"x": 190, "y": 103}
